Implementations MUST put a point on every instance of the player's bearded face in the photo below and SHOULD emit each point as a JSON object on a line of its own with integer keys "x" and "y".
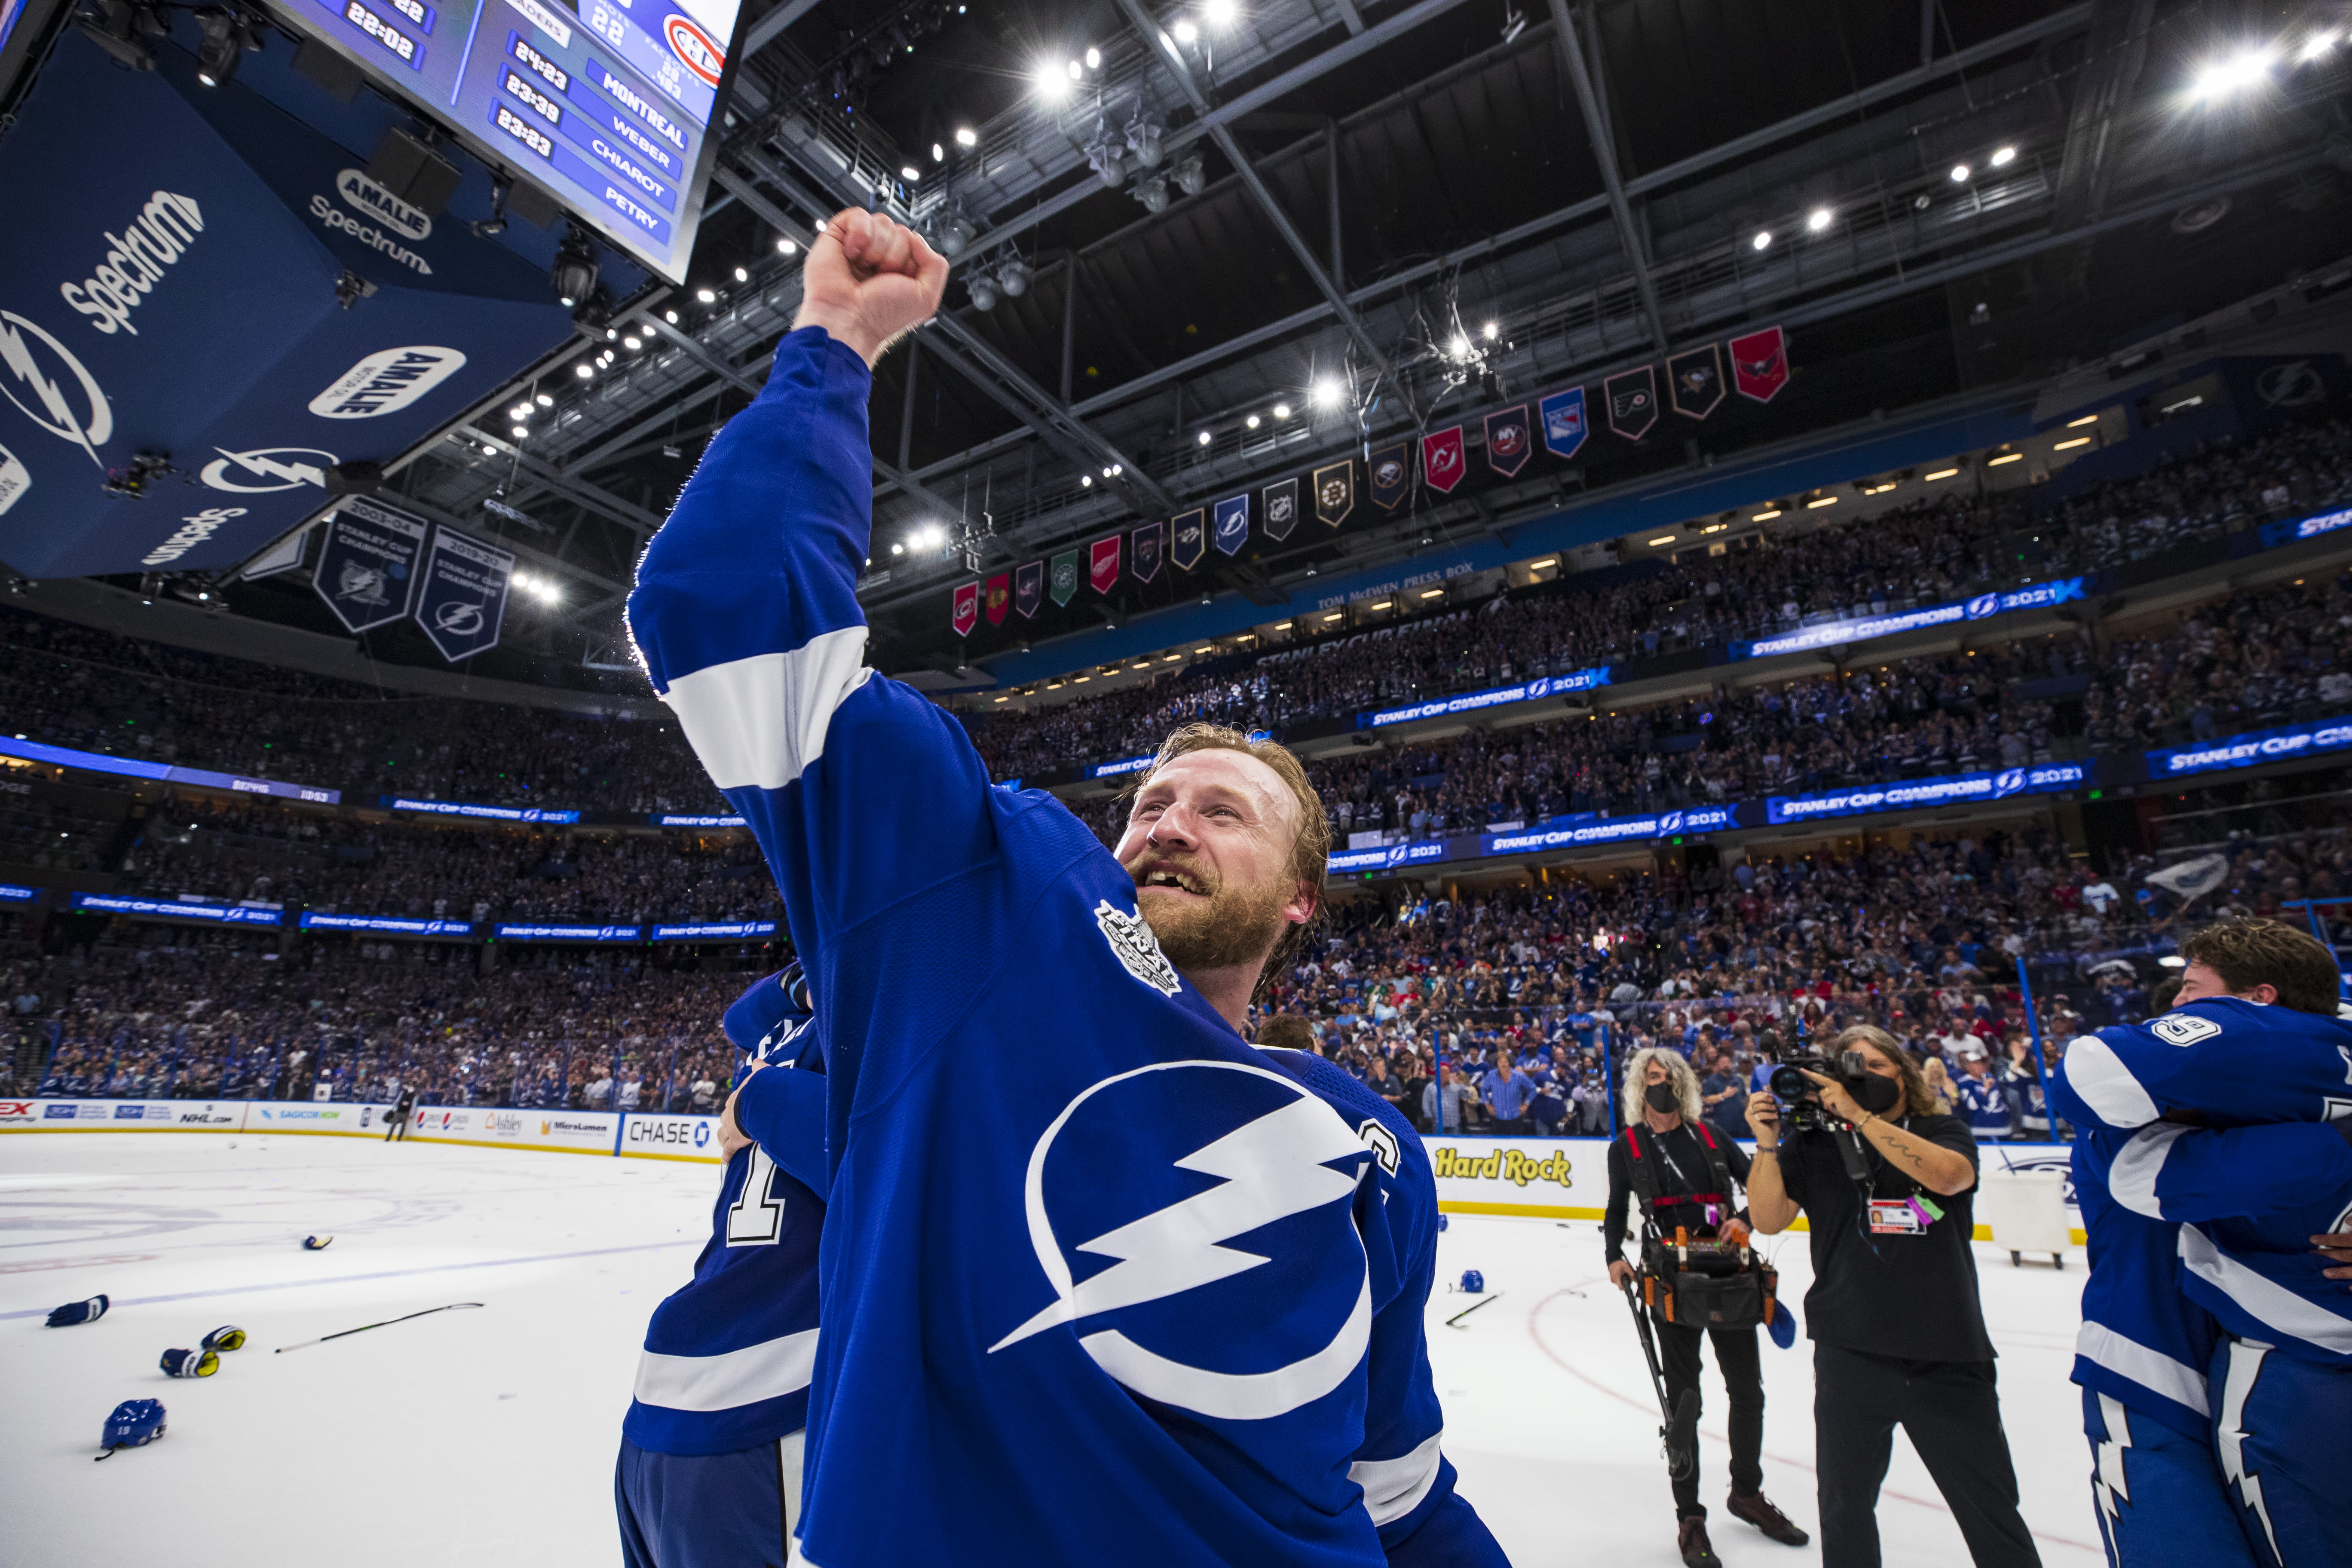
{"x": 1235, "y": 924}
{"x": 1209, "y": 845}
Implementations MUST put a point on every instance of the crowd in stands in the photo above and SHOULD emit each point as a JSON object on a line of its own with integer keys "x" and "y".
{"x": 1930, "y": 551}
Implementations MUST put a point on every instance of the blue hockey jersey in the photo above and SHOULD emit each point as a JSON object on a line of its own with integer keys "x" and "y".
{"x": 1091, "y": 1272}
{"x": 2147, "y": 1334}
{"x": 727, "y": 1358}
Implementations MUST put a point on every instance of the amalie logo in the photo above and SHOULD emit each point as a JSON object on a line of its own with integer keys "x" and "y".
{"x": 693, "y": 46}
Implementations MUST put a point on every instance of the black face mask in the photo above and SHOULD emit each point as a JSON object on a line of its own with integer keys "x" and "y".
{"x": 1875, "y": 1094}
{"x": 1662, "y": 1096}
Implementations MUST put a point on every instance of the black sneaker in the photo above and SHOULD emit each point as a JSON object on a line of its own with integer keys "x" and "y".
{"x": 1758, "y": 1510}
{"x": 1697, "y": 1549}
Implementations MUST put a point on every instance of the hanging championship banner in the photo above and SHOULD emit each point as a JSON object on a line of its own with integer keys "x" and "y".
{"x": 999, "y": 597}
{"x": 1694, "y": 381}
{"x": 1187, "y": 539}
{"x": 966, "y": 612}
{"x": 1564, "y": 428}
{"x": 1335, "y": 492}
{"x": 1281, "y": 504}
{"x": 1509, "y": 445}
{"x": 1144, "y": 552}
{"x": 1759, "y": 364}
{"x": 1232, "y": 524}
{"x": 1392, "y": 474}
{"x": 1029, "y": 589}
{"x": 1633, "y": 399}
{"x": 1066, "y": 576}
{"x": 463, "y": 599}
{"x": 367, "y": 568}
{"x": 1441, "y": 460}
{"x": 1102, "y": 564}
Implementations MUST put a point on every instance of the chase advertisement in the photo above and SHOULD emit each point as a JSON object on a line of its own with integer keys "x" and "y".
{"x": 181, "y": 377}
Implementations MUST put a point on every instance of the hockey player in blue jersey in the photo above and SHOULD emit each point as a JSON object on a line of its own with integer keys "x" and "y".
{"x": 709, "y": 1472}
{"x": 2210, "y": 1147}
{"x": 1114, "y": 1294}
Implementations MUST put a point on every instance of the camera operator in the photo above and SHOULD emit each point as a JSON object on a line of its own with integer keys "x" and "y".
{"x": 1683, "y": 1171}
{"x": 1887, "y": 1185}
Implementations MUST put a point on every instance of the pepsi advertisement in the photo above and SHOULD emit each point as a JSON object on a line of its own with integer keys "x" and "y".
{"x": 607, "y": 108}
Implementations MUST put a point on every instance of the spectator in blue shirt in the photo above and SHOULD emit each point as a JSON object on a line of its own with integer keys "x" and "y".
{"x": 1509, "y": 1092}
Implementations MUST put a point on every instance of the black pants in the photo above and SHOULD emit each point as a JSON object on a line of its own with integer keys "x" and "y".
{"x": 397, "y": 1127}
{"x": 1735, "y": 1357}
{"x": 1952, "y": 1416}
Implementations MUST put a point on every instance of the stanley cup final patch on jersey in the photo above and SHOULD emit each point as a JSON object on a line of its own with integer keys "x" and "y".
{"x": 1131, "y": 940}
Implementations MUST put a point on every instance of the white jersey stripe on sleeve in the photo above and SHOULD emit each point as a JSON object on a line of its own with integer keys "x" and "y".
{"x": 1394, "y": 1488}
{"x": 767, "y": 1371}
{"x": 761, "y": 722}
{"x": 2152, "y": 1369}
{"x": 2138, "y": 1164}
{"x": 2269, "y": 1301}
{"x": 2094, "y": 1072}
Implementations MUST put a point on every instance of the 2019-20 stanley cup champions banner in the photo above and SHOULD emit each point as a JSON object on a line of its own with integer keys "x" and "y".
{"x": 168, "y": 293}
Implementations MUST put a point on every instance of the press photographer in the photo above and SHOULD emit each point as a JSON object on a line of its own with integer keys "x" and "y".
{"x": 1888, "y": 1184}
{"x": 1698, "y": 1281}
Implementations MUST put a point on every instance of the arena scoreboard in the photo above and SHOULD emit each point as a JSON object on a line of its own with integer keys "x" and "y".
{"x": 607, "y": 106}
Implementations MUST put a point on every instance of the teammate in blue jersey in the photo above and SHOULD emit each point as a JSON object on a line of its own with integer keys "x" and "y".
{"x": 1115, "y": 1289}
{"x": 709, "y": 1472}
{"x": 2210, "y": 1148}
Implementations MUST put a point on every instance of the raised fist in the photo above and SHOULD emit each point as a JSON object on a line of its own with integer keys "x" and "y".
{"x": 868, "y": 281}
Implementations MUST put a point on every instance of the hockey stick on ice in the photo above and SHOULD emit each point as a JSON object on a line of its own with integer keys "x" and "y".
{"x": 1472, "y": 1308}
{"x": 363, "y": 1328}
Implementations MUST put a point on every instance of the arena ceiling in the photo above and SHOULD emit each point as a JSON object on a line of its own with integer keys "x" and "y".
{"x": 1339, "y": 187}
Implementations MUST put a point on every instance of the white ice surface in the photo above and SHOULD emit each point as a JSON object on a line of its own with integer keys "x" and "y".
{"x": 487, "y": 1437}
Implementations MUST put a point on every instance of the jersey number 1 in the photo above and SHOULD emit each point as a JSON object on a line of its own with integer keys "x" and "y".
{"x": 756, "y": 1218}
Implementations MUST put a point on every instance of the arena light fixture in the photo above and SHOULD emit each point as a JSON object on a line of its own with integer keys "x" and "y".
{"x": 1539, "y": 565}
{"x": 1170, "y": 658}
{"x": 519, "y": 411}
{"x": 1053, "y": 82}
{"x": 1763, "y": 240}
{"x": 1220, "y": 13}
{"x": 1766, "y": 515}
{"x": 1094, "y": 58}
{"x": 1085, "y": 481}
{"x": 785, "y": 247}
{"x": 670, "y": 316}
{"x": 1820, "y": 501}
{"x": 2004, "y": 457}
{"x": 2316, "y": 47}
{"x": 1662, "y": 538}
{"x": 967, "y": 137}
{"x": 2085, "y": 419}
{"x": 1818, "y": 219}
{"x": 1252, "y": 421}
{"x": 2069, "y": 445}
{"x": 1206, "y": 438}
{"x": 1325, "y": 393}
{"x": 1282, "y": 411}
{"x": 632, "y": 342}
{"x": 583, "y": 370}
{"x": 1492, "y": 329}
{"x": 2003, "y": 157}
{"x": 1433, "y": 593}
{"x": 2228, "y": 76}
{"x": 1940, "y": 474}
{"x": 544, "y": 401}
{"x": 1460, "y": 347}
{"x": 1186, "y": 32}
{"x": 521, "y": 431}
{"x": 706, "y": 296}
{"x": 1960, "y": 172}
{"x": 1075, "y": 72}
{"x": 938, "y": 153}
{"x": 898, "y": 550}
{"x": 741, "y": 276}
{"x": 1336, "y": 615}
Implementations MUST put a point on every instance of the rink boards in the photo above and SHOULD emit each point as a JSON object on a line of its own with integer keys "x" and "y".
{"x": 1549, "y": 1178}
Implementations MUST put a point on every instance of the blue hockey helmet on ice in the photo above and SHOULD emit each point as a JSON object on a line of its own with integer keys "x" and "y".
{"x": 1473, "y": 1281}
{"x": 134, "y": 1424}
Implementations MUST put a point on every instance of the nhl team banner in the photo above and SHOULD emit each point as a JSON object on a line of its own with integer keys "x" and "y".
{"x": 1066, "y": 576}
{"x": 1509, "y": 447}
{"x": 1392, "y": 468}
{"x": 168, "y": 286}
{"x": 1694, "y": 381}
{"x": 1188, "y": 538}
{"x": 1952, "y": 789}
{"x": 1144, "y": 545}
{"x": 1564, "y": 428}
{"x": 367, "y": 567}
{"x": 1232, "y": 526}
{"x": 1633, "y": 399}
{"x": 1759, "y": 364}
{"x": 1441, "y": 460}
{"x": 1029, "y": 589}
{"x": 463, "y": 599}
{"x": 2254, "y": 746}
{"x": 1335, "y": 492}
{"x": 999, "y": 597}
{"x": 1102, "y": 564}
{"x": 1281, "y": 504}
{"x": 1982, "y": 606}
{"x": 963, "y": 613}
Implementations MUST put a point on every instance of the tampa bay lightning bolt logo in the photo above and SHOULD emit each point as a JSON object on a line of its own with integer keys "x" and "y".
{"x": 1984, "y": 605}
{"x": 1670, "y": 822}
{"x": 1196, "y": 1218}
{"x": 1540, "y": 686}
{"x": 2009, "y": 781}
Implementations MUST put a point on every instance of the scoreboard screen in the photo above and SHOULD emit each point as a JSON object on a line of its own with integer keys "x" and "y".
{"x": 606, "y": 105}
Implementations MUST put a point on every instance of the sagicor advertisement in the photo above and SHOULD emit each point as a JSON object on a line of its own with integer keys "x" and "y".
{"x": 463, "y": 598}
{"x": 170, "y": 323}
{"x": 367, "y": 567}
